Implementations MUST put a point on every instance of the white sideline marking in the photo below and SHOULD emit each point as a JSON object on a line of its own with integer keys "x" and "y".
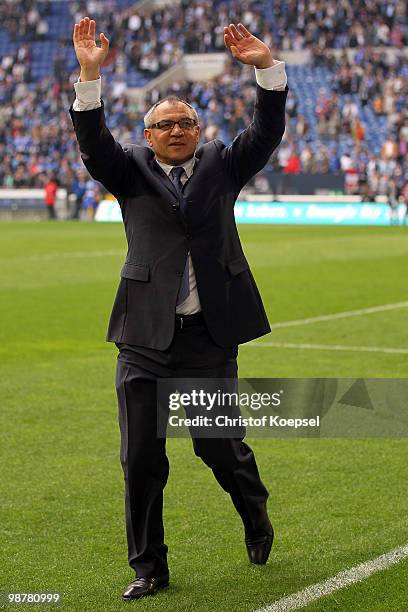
{"x": 73, "y": 255}
{"x": 341, "y": 315}
{"x": 332, "y": 347}
{"x": 339, "y": 581}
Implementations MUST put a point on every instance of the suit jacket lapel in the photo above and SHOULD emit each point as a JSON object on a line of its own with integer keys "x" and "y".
{"x": 162, "y": 178}
{"x": 166, "y": 187}
{"x": 196, "y": 163}
{"x": 199, "y": 174}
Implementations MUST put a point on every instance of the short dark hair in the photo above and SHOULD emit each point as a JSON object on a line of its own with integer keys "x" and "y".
{"x": 172, "y": 100}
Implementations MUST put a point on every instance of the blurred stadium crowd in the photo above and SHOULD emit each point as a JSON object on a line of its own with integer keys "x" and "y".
{"x": 345, "y": 113}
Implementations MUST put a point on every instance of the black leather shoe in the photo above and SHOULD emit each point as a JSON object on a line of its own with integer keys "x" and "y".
{"x": 259, "y": 548}
{"x": 142, "y": 587}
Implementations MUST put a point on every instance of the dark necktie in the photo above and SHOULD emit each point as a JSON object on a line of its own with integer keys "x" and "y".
{"x": 175, "y": 174}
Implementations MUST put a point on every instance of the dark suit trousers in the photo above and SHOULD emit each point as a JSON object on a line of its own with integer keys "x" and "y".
{"x": 192, "y": 354}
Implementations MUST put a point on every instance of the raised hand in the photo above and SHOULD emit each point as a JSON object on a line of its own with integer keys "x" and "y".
{"x": 246, "y": 48}
{"x": 89, "y": 55}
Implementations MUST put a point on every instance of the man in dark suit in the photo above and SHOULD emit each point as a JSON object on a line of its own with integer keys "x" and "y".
{"x": 186, "y": 297}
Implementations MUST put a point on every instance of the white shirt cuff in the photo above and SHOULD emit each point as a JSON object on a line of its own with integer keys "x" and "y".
{"x": 273, "y": 77}
{"x": 88, "y": 95}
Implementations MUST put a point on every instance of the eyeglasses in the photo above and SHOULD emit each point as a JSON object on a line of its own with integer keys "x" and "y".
{"x": 168, "y": 124}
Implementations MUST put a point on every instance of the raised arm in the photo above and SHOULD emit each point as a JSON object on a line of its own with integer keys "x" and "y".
{"x": 252, "y": 148}
{"x": 102, "y": 155}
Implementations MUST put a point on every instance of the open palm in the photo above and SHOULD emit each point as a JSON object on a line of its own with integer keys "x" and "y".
{"x": 246, "y": 48}
{"x": 88, "y": 53}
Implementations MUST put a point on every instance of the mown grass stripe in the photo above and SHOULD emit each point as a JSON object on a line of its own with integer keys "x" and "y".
{"x": 331, "y": 347}
{"x": 340, "y": 315}
{"x": 339, "y": 581}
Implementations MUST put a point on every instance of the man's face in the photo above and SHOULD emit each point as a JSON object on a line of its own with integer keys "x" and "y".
{"x": 177, "y": 145}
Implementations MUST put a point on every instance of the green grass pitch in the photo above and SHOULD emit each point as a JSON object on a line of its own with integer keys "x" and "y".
{"x": 334, "y": 503}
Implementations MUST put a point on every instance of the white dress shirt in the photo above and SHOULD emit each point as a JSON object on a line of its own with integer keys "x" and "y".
{"x": 88, "y": 97}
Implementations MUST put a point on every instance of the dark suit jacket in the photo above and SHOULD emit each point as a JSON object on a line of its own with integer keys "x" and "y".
{"x": 159, "y": 236}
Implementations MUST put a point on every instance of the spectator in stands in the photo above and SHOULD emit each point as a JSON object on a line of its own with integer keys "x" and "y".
{"x": 78, "y": 191}
{"x": 50, "y": 195}
{"x": 42, "y": 29}
{"x": 292, "y": 105}
{"x": 357, "y": 130}
{"x": 389, "y": 149}
{"x": 392, "y": 200}
{"x": 349, "y": 115}
{"x": 293, "y": 164}
{"x": 363, "y": 182}
{"x": 334, "y": 165}
{"x": 284, "y": 153}
{"x": 306, "y": 158}
{"x": 302, "y": 126}
{"x": 33, "y": 19}
{"x": 90, "y": 199}
{"x": 346, "y": 161}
